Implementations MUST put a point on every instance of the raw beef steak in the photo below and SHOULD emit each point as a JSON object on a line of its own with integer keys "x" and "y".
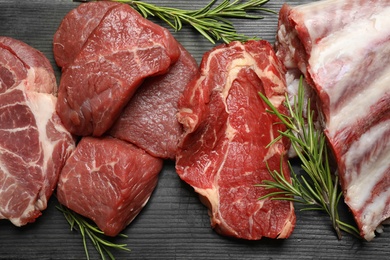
{"x": 118, "y": 55}
{"x": 346, "y": 59}
{"x": 149, "y": 119}
{"x": 34, "y": 145}
{"x": 108, "y": 181}
{"x": 223, "y": 152}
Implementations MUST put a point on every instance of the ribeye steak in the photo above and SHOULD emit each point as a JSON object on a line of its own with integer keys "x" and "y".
{"x": 223, "y": 151}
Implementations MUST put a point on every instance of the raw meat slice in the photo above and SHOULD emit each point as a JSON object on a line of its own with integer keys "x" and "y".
{"x": 108, "y": 181}
{"x": 118, "y": 55}
{"x": 34, "y": 145}
{"x": 71, "y": 35}
{"x": 343, "y": 49}
{"x": 149, "y": 119}
{"x": 223, "y": 152}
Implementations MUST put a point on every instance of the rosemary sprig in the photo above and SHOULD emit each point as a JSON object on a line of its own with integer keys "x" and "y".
{"x": 211, "y": 21}
{"x": 95, "y": 235}
{"x": 319, "y": 190}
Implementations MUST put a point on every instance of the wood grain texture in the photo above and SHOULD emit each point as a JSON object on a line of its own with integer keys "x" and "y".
{"x": 174, "y": 224}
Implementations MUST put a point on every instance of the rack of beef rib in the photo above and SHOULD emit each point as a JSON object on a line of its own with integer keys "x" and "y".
{"x": 343, "y": 50}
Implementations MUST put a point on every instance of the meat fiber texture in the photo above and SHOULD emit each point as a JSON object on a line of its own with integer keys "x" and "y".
{"x": 75, "y": 29}
{"x": 34, "y": 144}
{"x": 120, "y": 50}
{"x": 343, "y": 49}
{"x": 223, "y": 151}
{"x": 108, "y": 181}
{"x": 149, "y": 119}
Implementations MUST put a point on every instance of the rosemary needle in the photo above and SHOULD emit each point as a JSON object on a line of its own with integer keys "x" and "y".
{"x": 319, "y": 190}
{"x": 95, "y": 235}
{"x": 211, "y": 20}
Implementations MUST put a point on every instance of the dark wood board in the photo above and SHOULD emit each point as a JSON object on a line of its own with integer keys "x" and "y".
{"x": 174, "y": 224}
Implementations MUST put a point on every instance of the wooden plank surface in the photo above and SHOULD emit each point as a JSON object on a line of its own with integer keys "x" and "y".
{"x": 174, "y": 224}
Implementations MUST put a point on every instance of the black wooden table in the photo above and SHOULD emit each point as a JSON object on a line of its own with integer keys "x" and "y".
{"x": 174, "y": 224}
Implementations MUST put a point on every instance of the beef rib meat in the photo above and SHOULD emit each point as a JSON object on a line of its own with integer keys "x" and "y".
{"x": 109, "y": 181}
{"x": 223, "y": 152}
{"x": 346, "y": 59}
{"x": 34, "y": 144}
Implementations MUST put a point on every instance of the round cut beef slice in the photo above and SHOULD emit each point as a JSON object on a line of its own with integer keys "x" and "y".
{"x": 34, "y": 144}
{"x": 108, "y": 181}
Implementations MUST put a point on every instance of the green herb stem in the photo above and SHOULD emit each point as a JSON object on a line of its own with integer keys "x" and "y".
{"x": 211, "y": 21}
{"x": 95, "y": 235}
{"x": 319, "y": 188}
